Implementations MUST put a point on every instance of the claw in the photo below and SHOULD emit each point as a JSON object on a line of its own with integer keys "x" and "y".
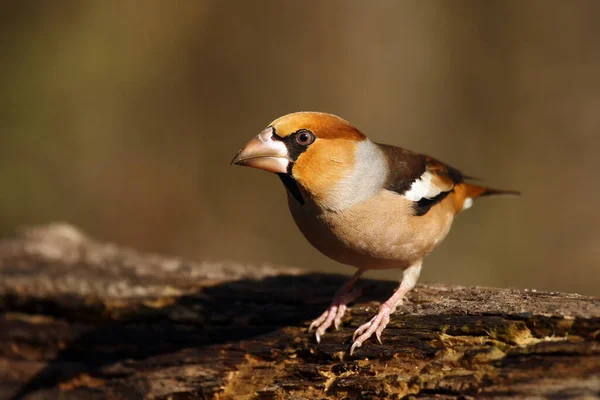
{"x": 336, "y": 324}
{"x": 318, "y": 337}
{"x": 354, "y": 346}
{"x": 378, "y": 336}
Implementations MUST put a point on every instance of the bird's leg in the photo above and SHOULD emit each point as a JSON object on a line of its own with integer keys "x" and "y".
{"x": 378, "y": 323}
{"x": 338, "y": 306}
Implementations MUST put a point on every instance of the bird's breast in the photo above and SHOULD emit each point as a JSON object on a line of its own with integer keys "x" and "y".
{"x": 378, "y": 233}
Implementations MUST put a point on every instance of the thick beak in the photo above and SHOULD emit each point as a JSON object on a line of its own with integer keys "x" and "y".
{"x": 264, "y": 153}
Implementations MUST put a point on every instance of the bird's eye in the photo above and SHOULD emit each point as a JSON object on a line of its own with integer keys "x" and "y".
{"x": 304, "y": 137}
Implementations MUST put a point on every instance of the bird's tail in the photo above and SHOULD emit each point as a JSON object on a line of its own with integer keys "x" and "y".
{"x": 465, "y": 193}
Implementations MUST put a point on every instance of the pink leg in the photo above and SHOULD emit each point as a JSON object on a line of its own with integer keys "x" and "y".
{"x": 338, "y": 306}
{"x": 378, "y": 323}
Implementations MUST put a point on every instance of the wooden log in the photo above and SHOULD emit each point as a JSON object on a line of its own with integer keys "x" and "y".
{"x": 80, "y": 319}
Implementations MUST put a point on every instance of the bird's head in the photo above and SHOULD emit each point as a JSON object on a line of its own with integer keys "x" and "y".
{"x": 322, "y": 153}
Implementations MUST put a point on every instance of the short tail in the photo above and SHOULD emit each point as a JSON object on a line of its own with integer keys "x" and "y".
{"x": 465, "y": 193}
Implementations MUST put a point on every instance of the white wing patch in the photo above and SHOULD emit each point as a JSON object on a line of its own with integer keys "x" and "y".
{"x": 423, "y": 188}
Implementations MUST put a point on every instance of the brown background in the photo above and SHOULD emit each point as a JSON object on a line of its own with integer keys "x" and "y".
{"x": 122, "y": 117}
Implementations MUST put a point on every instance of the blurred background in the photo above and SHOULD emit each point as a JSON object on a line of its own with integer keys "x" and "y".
{"x": 121, "y": 117}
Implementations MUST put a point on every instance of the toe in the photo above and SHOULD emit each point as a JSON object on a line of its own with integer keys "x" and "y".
{"x": 314, "y": 324}
{"x": 361, "y": 329}
{"x": 338, "y": 317}
{"x": 375, "y": 326}
{"x": 381, "y": 327}
{"x": 324, "y": 321}
{"x": 317, "y": 322}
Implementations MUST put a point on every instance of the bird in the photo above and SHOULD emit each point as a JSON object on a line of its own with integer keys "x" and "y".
{"x": 361, "y": 203}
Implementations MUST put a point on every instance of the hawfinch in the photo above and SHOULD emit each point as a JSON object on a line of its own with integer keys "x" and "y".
{"x": 361, "y": 203}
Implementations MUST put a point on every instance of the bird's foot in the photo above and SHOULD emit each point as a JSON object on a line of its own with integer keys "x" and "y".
{"x": 376, "y": 325}
{"x": 333, "y": 314}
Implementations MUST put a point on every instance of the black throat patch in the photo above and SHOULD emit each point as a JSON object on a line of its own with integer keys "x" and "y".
{"x": 292, "y": 187}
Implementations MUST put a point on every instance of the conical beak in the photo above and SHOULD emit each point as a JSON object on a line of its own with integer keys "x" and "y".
{"x": 264, "y": 152}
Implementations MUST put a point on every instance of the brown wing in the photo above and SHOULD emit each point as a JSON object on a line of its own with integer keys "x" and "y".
{"x": 421, "y": 179}
{"x": 444, "y": 176}
{"x": 405, "y": 167}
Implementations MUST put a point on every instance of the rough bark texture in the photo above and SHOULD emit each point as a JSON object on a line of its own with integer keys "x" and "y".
{"x": 81, "y": 319}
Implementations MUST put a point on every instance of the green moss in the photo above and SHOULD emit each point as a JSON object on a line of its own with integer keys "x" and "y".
{"x": 443, "y": 328}
{"x": 514, "y": 332}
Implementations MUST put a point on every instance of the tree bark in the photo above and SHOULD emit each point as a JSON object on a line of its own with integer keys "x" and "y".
{"x": 80, "y": 319}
